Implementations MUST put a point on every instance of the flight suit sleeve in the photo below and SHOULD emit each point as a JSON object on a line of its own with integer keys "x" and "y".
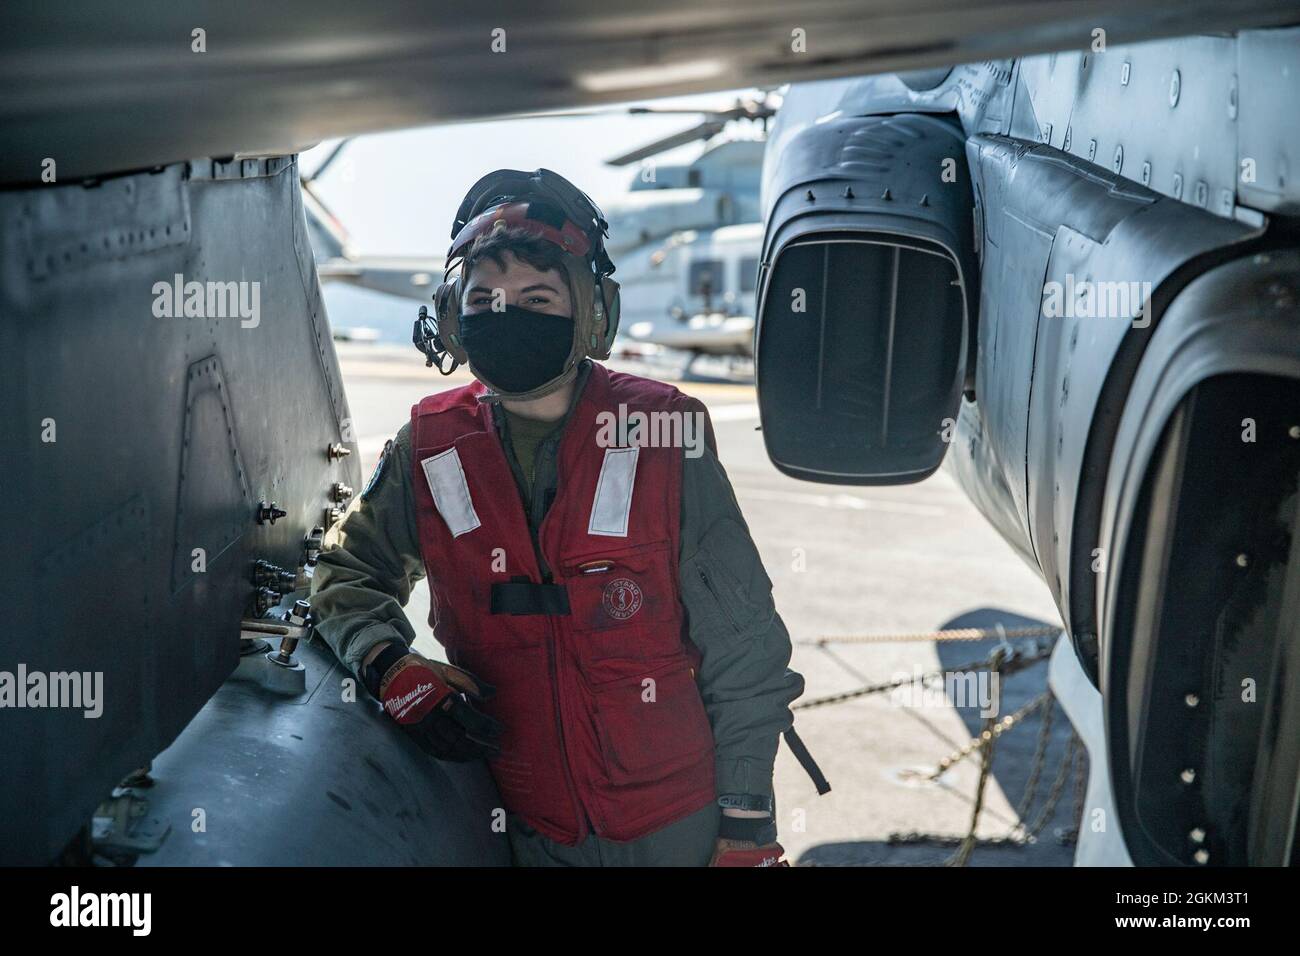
{"x": 745, "y": 681}
{"x": 369, "y": 562}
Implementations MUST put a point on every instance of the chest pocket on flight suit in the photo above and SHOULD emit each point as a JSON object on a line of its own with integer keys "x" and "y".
{"x": 725, "y": 579}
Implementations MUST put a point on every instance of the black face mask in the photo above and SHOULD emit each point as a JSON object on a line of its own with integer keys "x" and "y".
{"x": 517, "y": 350}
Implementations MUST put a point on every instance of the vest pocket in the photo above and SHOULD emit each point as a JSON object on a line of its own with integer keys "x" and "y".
{"x": 652, "y": 725}
{"x": 623, "y": 604}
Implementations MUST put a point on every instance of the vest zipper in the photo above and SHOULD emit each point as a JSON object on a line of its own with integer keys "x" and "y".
{"x": 585, "y": 821}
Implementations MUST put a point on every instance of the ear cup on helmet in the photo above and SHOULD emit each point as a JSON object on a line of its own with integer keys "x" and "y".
{"x": 446, "y": 307}
{"x": 608, "y": 291}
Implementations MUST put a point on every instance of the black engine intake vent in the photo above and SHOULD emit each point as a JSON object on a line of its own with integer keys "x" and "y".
{"x": 865, "y": 298}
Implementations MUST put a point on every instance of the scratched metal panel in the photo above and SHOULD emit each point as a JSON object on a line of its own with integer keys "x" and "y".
{"x": 97, "y": 579}
{"x": 1160, "y": 114}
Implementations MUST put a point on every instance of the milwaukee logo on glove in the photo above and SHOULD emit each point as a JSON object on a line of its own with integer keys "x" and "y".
{"x": 399, "y": 707}
{"x": 410, "y": 690}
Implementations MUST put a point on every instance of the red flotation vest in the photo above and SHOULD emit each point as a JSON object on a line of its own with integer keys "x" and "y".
{"x": 595, "y": 677}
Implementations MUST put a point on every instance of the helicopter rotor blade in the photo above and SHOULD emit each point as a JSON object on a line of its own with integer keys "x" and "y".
{"x": 742, "y": 109}
{"x": 705, "y": 130}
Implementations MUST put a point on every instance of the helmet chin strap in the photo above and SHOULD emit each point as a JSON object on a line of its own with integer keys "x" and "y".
{"x": 493, "y": 395}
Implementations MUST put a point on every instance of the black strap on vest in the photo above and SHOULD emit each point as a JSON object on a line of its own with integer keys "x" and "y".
{"x": 522, "y": 596}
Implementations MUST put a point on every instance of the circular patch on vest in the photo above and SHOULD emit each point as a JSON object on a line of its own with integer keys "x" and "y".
{"x": 622, "y": 598}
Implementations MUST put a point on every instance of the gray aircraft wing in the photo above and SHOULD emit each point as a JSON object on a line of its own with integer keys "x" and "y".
{"x": 409, "y": 277}
{"x": 118, "y": 87}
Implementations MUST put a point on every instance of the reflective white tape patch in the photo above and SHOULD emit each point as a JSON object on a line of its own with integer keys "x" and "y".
{"x": 613, "y": 501}
{"x": 450, "y": 491}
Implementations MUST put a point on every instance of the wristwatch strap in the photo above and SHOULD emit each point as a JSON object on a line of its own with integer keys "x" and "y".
{"x": 745, "y": 801}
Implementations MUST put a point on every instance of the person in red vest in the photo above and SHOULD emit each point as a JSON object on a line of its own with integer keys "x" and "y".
{"x": 615, "y": 654}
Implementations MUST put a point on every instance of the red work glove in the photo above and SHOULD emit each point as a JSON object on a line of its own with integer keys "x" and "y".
{"x": 431, "y": 702}
{"x": 745, "y": 853}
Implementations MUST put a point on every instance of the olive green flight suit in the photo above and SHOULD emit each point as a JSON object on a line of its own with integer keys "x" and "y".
{"x": 371, "y": 560}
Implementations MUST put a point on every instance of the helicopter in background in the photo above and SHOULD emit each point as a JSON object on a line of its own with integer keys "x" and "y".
{"x": 687, "y": 236}
{"x": 696, "y": 294}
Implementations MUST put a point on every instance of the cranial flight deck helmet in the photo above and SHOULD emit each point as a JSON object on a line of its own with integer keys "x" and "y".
{"x": 550, "y": 207}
